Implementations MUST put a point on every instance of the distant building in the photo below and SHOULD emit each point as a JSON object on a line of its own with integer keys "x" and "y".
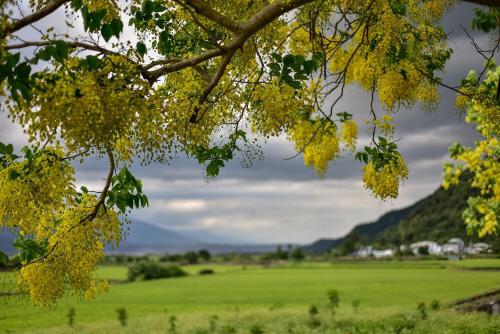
{"x": 432, "y": 247}
{"x": 364, "y": 251}
{"x": 454, "y": 246}
{"x": 382, "y": 253}
{"x": 478, "y": 248}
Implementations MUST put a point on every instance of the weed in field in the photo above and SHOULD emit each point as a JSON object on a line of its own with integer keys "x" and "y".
{"x": 257, "y": 329}
{"x": 122, "y": 316}
{"x": 422, "y": 310}
{"x": 172, "y": 321}
{"x": 435, "y": 305}
{"x": 212, "y": 323}
{"x": 333, "y": 300}
{"x": 313, "y": 321}
{"x": 228, "y": 329}
{"x": 401, "y": 324}
{"x": 355, "y": 305}
{"x": 71, "y": 316}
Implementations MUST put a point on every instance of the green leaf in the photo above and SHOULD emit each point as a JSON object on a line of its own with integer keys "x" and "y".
{"x": 122, "y": 205}
{"x": 76, "y": 4}
{"x": 62, "y": 49}
{"x": 107, "y": 31}
{"x": 116, "y": 27}
{"x": 93, "y": 62}
{"x": 141, "y": 48}
{"x": 12, "y": 60}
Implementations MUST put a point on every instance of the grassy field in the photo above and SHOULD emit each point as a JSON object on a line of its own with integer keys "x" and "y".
{"x": 274, "y": 300}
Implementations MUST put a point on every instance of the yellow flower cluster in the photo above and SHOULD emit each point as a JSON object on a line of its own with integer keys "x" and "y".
{"x": 384, "y": 181}
{"x": 483, "y": 162}
{"x": 94, "y": 109}
{"x": 350, "y": 134}
{"x": 75, "y": 247}
{"x": 276, "y": 108}
{"x": 318, "y": 141}
{"x": 385, "y": 125}
{"x": 38, "y": 200}
{"x": 32, "y": 192}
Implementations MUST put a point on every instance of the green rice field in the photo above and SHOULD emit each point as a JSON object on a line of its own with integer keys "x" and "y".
{"x": 374, "y": 298}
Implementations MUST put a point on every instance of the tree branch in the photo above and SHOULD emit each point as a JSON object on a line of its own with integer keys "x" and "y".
{"x": 50, "y": 7}
{"x": 91, "y": 216}
{"x": 203, "y": 9}
{"x": 257, "y": 22}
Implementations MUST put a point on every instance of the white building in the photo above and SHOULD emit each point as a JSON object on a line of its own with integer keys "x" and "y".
{"x": 478, "y": 248}
{"x": 364, "y": 251}
{"x": 433, "y": 247}
{"x": 454, "y": 246}
{"x": 382, "y": 253}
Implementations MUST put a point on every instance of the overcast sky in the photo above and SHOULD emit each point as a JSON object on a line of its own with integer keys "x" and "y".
{"x": 282, "y": 201}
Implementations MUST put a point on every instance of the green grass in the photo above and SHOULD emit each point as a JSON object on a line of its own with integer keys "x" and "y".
{"x": 255, "y": 293}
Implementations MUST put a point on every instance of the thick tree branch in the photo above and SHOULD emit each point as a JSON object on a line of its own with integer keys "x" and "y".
{"x": 50, "y": 7}
{"x": 203, "y": 9}
{"x": 257, "y": 22}
{"x": 213, "y": 83}
{"x": 81, "y": 45}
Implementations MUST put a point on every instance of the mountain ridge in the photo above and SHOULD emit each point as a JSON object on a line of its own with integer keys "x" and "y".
{"x": 436, "y": 217}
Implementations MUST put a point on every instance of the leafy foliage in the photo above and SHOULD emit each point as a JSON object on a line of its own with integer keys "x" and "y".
{"x": 126, "y": 192}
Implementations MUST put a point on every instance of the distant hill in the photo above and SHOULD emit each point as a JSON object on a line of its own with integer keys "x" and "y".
{"x": 142, "y": 237}
{"x": 139, "y": 232}
{"x": 436, "y": 217}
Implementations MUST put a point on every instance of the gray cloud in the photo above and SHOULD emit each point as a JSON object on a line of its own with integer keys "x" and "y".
{"x": 277, "y": 200}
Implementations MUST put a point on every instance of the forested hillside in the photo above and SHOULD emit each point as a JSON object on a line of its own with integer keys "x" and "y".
{"x": 437, "y": 217}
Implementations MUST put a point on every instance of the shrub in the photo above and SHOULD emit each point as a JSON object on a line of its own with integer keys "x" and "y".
{"x": 206, "y": 272}
{"x": 153, "y": 270}
{"x": 122, "y": 316}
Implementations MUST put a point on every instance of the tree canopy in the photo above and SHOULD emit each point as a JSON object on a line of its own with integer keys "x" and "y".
{"x": 144, "y": 80}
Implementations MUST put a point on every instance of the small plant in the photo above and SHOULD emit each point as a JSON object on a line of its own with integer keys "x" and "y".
{"x": 228, "y": 329}
{"x": 355, "y": 305}
{"x": 122, "y": 316}
{"x": 313, "y": 311}
{"x": 333, "y": 300}
{"x": 212, "y": 324}
{"x": 313, "y": 321}
{"x": 402, "y": 324}
{"x": 422, "y": 309}
{"x": 256, "y": 329}
{"x": 435, "y": 305}
{"x": 172, "y": 320}
{"x": 71, "y": 316}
